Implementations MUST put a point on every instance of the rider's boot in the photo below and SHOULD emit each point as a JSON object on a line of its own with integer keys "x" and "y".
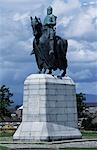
{"x": 51, "y": 44}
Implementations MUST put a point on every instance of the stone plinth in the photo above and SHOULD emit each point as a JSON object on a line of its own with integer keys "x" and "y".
{"x": 49, "y": 109}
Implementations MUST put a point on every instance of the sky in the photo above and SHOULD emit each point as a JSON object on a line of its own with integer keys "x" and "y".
{"x": 76, "y": 22}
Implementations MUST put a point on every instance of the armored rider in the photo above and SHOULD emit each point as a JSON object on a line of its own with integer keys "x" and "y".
{"x": 49, "y": 24}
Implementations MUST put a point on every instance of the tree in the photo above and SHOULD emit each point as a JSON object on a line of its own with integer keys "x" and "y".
{"x": 81, "y": 98}
{"x": 5, "y": 102}
{"x": 90, "y": 121}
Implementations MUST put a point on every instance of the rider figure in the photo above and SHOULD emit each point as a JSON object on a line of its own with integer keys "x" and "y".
{"x": 49, "y": 23}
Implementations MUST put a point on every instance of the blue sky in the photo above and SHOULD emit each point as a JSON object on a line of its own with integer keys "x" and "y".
{"x": 76, "y": 22}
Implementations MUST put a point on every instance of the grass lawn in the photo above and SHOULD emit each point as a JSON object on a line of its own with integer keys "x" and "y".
{"x": 86, "y": 134}
{"x": 6, "y": 134}
{"x": 89, "y": 134}
{"x": 78, "y": 148}
{"x": 4, "y": 148}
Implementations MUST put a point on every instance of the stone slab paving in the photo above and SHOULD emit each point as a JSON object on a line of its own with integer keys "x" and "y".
{"x": 86, "y": 143}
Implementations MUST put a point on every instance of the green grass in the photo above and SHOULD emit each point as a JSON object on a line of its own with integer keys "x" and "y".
{"x": 6, "y": 134}
{"x": 4, "y": 148}
{"x": 78, "y": 148}
{"x": 89, "y": 134}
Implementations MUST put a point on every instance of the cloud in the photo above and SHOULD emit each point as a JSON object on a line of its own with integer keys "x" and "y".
{"x": 61, "y": 7}
{"x": 82, "y": 28}
{"x": 82, "y": 61}
{"x": 19, "y": 17}
{"x": 87, "y": 88}
{"x": 80, "y": 51}
{"x": 83, "y": 55}
{"x": 75, "y": 22}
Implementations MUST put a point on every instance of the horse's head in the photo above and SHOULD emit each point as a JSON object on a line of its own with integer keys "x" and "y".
{"x": 36, "y": 26}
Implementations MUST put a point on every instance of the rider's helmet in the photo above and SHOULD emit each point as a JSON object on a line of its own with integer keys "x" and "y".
{"x": 49, "y": 10}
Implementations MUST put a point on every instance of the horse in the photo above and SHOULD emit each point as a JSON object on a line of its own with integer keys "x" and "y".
{"x": 53, "y": 61}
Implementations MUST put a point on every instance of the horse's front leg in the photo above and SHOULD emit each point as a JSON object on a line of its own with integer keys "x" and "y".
{"x": 40, "y": 71}
{"x": 63, "y": 73}
{"x": 44, "y": 70}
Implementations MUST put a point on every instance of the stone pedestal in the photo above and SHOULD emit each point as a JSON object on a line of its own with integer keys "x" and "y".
{"x": 49, "y": 109}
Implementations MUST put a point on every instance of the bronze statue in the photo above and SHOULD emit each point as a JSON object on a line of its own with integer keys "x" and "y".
{"x": 49, "y": 23}
{"x": 49, "y": 49}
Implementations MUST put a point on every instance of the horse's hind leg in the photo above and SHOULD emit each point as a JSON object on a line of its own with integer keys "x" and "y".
{"x": 63, "y": 73}
{"x": 39, "y": 72}
{"x": 44, "y": 70}
{"x": 50, "y": 71}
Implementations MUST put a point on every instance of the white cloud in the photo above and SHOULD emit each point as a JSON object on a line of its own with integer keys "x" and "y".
{"x": 92, "y": 12}
{"x": 83, "y": 27}
{"x": 83, "y": 74}
{"x": 80, "y": 51}
{"x": 93, "y": 2}
{"x": 87, "y": 87}
{"x": 18, "y": 16}
{"x": 61, "y": 7}
{"x": 64, "y": 21}
{"x": 83, "y": 56}
{"x": 75, "y": 22}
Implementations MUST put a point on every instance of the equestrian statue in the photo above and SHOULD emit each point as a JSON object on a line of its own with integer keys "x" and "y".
{"x": 49, "y": 49}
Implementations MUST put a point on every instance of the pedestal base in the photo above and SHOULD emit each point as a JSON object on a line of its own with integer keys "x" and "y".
{"x": 49, "y": 109}
{"x": 44, "y": 131}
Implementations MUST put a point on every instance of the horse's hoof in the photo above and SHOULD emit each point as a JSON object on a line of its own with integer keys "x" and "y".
{"x": 40, "y": 71}
{"x": 59, "y": 77}
{"x": 49, "y": 73}
{"x": 43, "y": 71}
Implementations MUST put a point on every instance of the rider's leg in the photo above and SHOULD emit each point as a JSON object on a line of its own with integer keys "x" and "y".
{"x": 51, "y": 41}
{"x": 51, "y": 45}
